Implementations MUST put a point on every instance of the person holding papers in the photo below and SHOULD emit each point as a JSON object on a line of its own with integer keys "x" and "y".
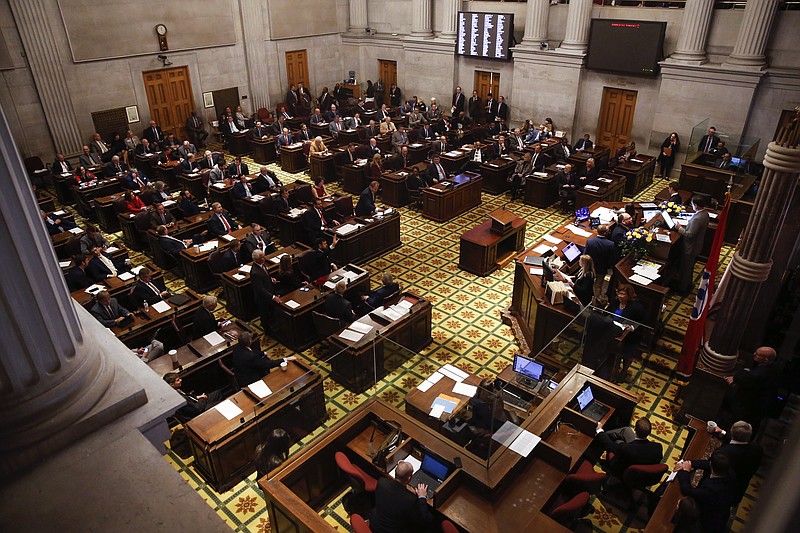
{"x": 108, "y": 311}
{"x": 337, "y": 306}
{"x": 583, "y": 282}
{"x": 627, "y": 305}
{"x": 250, "y": 365}
{"x": 196, "y": 404}
{"x": 203, "y": 321}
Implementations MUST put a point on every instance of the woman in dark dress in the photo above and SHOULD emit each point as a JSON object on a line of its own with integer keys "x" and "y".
{"x": 627, "y": 305}
{"x": 288, "y": 280}
{"x": 669, "y": 148}
{"x": 583, "y": 282}
{"x": 376, "y": 167}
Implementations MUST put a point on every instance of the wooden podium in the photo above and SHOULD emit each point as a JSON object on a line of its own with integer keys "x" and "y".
{"x": 491, "y": 245}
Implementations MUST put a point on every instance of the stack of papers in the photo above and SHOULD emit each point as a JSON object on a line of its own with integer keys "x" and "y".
{"x": 208, "y": 246}
{"x": 593, "y": 188}
{"x": 256, "y": 198}
{"x": 647, "y": 205}
{"x": 578, "y": 231}
{"x": 291, "y": 304}
{"x": 351, "y": 335}
{"x": 605, "y": 214}
{"x": 228, "y": 238}
{"x": 541, "y": 174}
{"x": 604, "y": 180}
{"x": 64, "y": 264}
{"x": 76, "y": 231}
{"x": 168, "y": 203}
{"x": 214, "y": 338}
{"x": 454, "y": 373}
{"x": 112, "y": 249}
{"x": 430, "y": 382}
{"x": 552, "y": 240}
{"x": 296, "y": 212}
{"x": 516, "y": 438}
{"x": 246, "y": 268}
{"x": 443, "y": 404}
{"x": 239, "y": 277}
{"x": 276, "y": 259}
{"x": 161, "y": 307}
{"x": 640, "y": 279}
{"x": 94, "y": 289}
{"x": 543, "y": 248}
{"x": 228, "y": 409}
{"x": 345, "y": 229}
{"x": 137, "y": 269}
{"x": 465, "y": 389}
{"x": 260, "y": 389}
{"x": 125, "y": 276}
{"x": 219, "y": 185}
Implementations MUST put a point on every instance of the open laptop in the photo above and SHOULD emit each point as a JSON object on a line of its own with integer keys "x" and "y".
{"x": 432, "y": 473}
{"x": 528, "y": 372}
{"x": 589, "y": 407}
{"x": 571, "y": 252}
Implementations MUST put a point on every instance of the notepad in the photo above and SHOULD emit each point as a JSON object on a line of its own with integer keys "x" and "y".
{"x": 161, "y": 307}
{"x": 259, "y": 388}
{"x": 228, "y": 409}
{"x": 465, "y": 389}
{"x": 350, "y": 335}
{"x": 578, "y": 231}
{"x": 291, "y": 304}
{"x": 214, "y": 338}
{"x": 207, "y": 247}
{"x": 76, "y": 231}
{"x": 437, "y": 410}
{"x": 360, "y": 327}
{"x": 239, "y": 277}
{"x": 125, "y": 276}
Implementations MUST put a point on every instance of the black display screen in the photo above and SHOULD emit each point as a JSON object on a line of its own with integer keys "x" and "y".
{"x": 626, "y": 46}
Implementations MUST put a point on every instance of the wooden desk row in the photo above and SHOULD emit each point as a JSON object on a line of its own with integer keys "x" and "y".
{"x": 451, "y": 198}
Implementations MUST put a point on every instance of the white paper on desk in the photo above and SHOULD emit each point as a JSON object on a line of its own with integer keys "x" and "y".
{"x": 360, "y": 327}
{"x": 536, "y": 271}
{"x": 59, "y": 213}
{"x": 64, "y": 264}
{"x": 713, "y": 216}
{"x": 276, "y": 259}
{"x": 525, "y": 442}
{"x": 213, "y": 338}
{"x": 424, "y": 386}
{"x": 112, "y": 249}
{"x": 662, "y": 237}
{"x": 246, "y": 268}
{"x": 637, "y": 161}
{"x": 76, "y": 230}
{"x": 329, "y": 285}
{"x": 94, "y": 289}
{"x": 208, "y": 246}
{"x": 541, "y": 174}
{"x": 541, "y": 249}
{"x": 291, "y": 304}
{"x": 641, "y": 279}
{"x": 437, "y": 411}
{"x": 416, "y": 145}
{"x": 455, "y": 370}
{"x": 604, "y": 180}
{"x": 228, "y": 409}
{"x": 552, "y": 240}
{"x": 161, "y": 307}
{"x": 350, "y": 335}
{"x": 137, "y": 269}
{"x": 404, "y": 304}
{"x": 646, "y": 271}
{"x": 435, "y": 377}
{"x": 578, "y": 231}
{"x": 465, "y": 389}
{"x": 168, "y": 203}
{"x": 228, "y": 238}
{"x": 451, "y": 375}
{"x": 346, "y": 229}
{"x": 507, "y": 433}
{"x": 647, "y": 205}
{"x": 259, "y": 388}
{"x": 604, "y": 214}
{"x": 391, "y": 314}
{"x": 593, "y": 188}
{"x": 239, "y": 277}
{"x": 620, "y": 325}
{"x": 219, "y": 185}
{"x": 125, "y": 276}
{"x": 256, "y": 198}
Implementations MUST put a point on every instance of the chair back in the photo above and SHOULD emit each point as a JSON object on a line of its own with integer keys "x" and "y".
{"x": 448, "y": 527}
{"x": 571, "y": 510}
{"x": 142, "y": 220}
{"x": 231, "y": 376}
{"x": 264, "y": 115}
{"x": 344, "y": 206}
{"x": 324, "y": 324}
{"x": 304, "y": 262}
{"x": 585, "y": 479}
{"x": 120, "y": 206}
{"x": 643, "y": 476}
{"x": 359, "y": 480}
{"x": 302, "y": 194}
{"x": 216, "y": 261}
{"x": 358, "y": 524}
{"x": 73, "y": 246}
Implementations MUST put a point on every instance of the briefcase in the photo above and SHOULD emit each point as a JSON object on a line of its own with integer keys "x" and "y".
{"x": 178, "y": 300}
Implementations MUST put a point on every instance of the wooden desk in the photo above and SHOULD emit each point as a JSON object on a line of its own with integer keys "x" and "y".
{"x": 145, "y": 324}
{"x": 375, "y": 237}
{"x": 238, "y": 291}
{"x": 476, "y": 497}
{"x": 358, "y": 365}
{"x": 484, "y": 251}
{"x": 495, "y": 173}
{"x": 264, "y": 151}
{"x": 418, "y": 403}
{"x": 293, "y": 159}
{"x": 168, "y": 174}
{"x": 355, "y": 178}
{"x": 453, "y": 160}
{"x": 62, "y": 183}
{"x": 418, "y": 151}
{"x": 541, "y": 190}
{"x": 183, "y": 229}
{"x": 443, "y": 202}
{"x": 393, "y": 186}
{"x": 638, "y": 175}
{"x": 238, "y": 142}
{"x": 322, "y": 166}
{"x": 294, "y": 326}
{"x": 196, "y": 272}
{"x": 85, "y": 193}
{"x": 60, "y": 240}
{"x": 598, "y": 153}
{"x": 224, "y": 449}
{"x": 116, "y": 287}
{"x": 607, "y": 191}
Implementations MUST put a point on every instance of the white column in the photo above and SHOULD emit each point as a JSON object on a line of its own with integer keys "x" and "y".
{"x": 536, "y": 22}
{"x": 253, "y": 29}
{"x": 579, "y": 15}
{"x": 358, "y": 16}
{"x": 694, "y": 31}
{"x": 52, "y": 371}
{"x": 38, "y": 40}
{"x": 421, "y": 18}
{"x": 449, "y": 18}
{"x": 753, "y": 34}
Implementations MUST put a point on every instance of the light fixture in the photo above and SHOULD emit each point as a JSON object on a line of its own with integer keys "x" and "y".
{"x": 164, "y": 61}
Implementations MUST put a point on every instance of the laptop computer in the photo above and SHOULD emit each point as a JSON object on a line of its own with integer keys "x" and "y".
{"x": 589, "y": 407}
{"x": 571, "y": 252}
{"x": 432, "y": 473}
{"x": 528, "y": 372}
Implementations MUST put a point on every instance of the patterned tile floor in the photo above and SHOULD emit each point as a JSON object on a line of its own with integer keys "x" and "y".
{"x": 468, "y": 332}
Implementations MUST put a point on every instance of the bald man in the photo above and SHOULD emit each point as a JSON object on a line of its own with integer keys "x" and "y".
{"x": 754, "y": 387}
{"x": 398, "y": 509}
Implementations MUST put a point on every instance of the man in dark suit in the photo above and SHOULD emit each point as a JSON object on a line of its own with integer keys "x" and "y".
{"x": 754, "y": 387}
{"x": 146, "y": 289}
{"x": 397, "y": 509}
{"x": 629, "y": 446}
{"x": 603, "y": 252}
{"x": 258, "y": 239}
{"x": 55, "y": 224}
{"x": 475, "y": 107}
{"x": 61, "y": 165}
{"x": 459, "y": 102}
{"x": 375, "y": 298}
{"x": 502, "y": 108}
{"x": 237, "y": 168}
{"x": 196, "y": 404}
{"x": 744, "y": 456}
{"x": 144, "y": 148}
{"x": 435, "y": 173}
{"x": 134, "y": 181}
{"x": 584, "y": 144}
{"x": 170, "y": 245}
{"x": 76, "y": 277}
{"x": 440, "y": 146}
{"x": 241, "y": 189}
{"x": 208, "y": 161}
{"x": 161, "y": 217}
{"x": 101, "y": 266}
{"x": 154, "y": 134}
{"x": 195, "y": 131}
{"x": 315, "y": 222}
{"x": 249, "y": 365}
{"x": 89, "y": 159}
{"x": 263, "y": 288}
{"x": 708, "y": 141}
{"x": 220, "y": 222}
{"x": 490, "y": 109}
{"x": 715, "y": 494}
{"x": 190, "y": 165}
{"x": 694, "y": 235}
{"x": 562, "y": 151}
{"x": 337, "y": 306}
{"x": 395, "y": 95}
{"x": 230, "y": 257}
{"x": 621, "y": 228}
{"x": 674, "y": 195}
{"x": 229, "y": 126}
{"x": 724, "y": 162}
{"x": 366, "y": 202}
{"x": 332, "y": 113}
{"x": 373, "y": 130}
{"x": 266, "y": 181}
{"x": 516, "y": 140}
{"x": 203, "y": 320}
{"x": 318, "y": 264}
{"x": 281, "y": 203}
{"x": 108, "y": 311}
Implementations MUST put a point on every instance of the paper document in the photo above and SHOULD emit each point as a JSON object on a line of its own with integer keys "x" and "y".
{"x": 404, "y": 304}
{"x": 228, "y": 409}
{"x": 524, "y": 443}
{"x": 228, "y": 238}
{"x": 660, "y": 237}
{"x": 507, "y": 433}
{"x": 239, "y": 277}
{"x": 620, "y": 325}
{"x": 435, "y": 377}
{"x": 671, "y": 476}
{"x": 125, "y": 276}
{"x": 291, "y": 304}
{"x": 437, "y": 410}
{"x": 208, "y": 246}
{"x": 219, "y": 185}
{"x": 541, "y": 174}
{"x": 94, "y": 289}
{"x": 455, "y": 370}
{"x": 137, "y": 269}
{"x": 168, "y": 203}
{"x": 552, "y": 240}
{"x": 260, "y": 389}
{"x": 542, "y": 249}
{"x": 76, "y": 230}
{"x": 214, "y": 338}
{"x": 604, "y": 180}
{"x": 647, "y": 205}
{"x": 246, "y": 269}
{"x": 448, "y": 406}
{"x": 329, "y": 285}
{"x": 593, "y": 188}
{"x": 641, "y": 279}
{"x": 112, "y": 249}
{"x": 350, "y": 335}
{"x": 276, "y": 259}
{"x": 536, "y": 271}
{"x": 64, "y": 264}
{"x": 578, "y": 231}
{"x": 161, "y": 307}
{"x": 360, "y": 327}
{"x": 465, "y": 389}
{"x": 424, "y": 386}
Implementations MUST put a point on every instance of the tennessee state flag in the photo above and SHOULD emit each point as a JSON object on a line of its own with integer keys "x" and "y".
{"x": 695, "y": 330}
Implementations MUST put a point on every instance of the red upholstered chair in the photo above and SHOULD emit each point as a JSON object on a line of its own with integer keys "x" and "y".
{"x": 585, "y": 479}
{"x": 568, "y": 512}
{"x": 640, "y": 478}
{"x": 344, "y": 208}
{"x": 302, "y": 194}
{"x": 449, "y": 527}
{"x": 358, "y": 524}
{"x": 359, "y": 479}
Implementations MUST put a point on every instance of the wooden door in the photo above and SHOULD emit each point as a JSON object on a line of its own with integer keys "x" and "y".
{"x": 616, "y": 118}
{"x": 169, "y": 96}
{"x": 485, "y": 83}
{"x": 387, "y": 71}
{"x": 297, "y": 68}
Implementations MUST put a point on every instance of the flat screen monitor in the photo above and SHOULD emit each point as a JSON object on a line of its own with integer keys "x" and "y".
{"x": 486, "y": 35}
{"x": 581, "y": 214}
{"x": 668, "y": 219}
{"x": 626, "y": 46}
{"x": 585, "y": 398}
{"x": 571, "y": 253}
{"x": 649, "y": 214}
{"x": 434, "y": 467}
{"x": 527, "y": 368}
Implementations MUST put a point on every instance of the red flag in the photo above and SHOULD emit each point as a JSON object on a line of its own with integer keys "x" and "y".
{"x": 695, "y": 330}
